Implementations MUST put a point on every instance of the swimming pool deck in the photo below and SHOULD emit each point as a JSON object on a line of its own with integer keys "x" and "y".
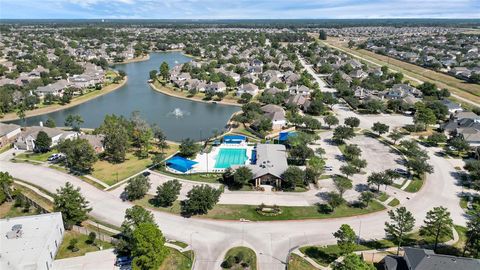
{"x": 210, "y": 159}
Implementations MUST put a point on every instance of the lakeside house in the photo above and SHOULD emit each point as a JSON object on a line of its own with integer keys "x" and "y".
{"x": 248, "y": 88}
{"x": 8, "y": 133}
{"x": 276, "y": 114}
{"x": 26, "y": 139}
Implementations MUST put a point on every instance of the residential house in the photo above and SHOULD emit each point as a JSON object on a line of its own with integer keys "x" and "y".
{"x": 248, "y": 88}
{"x": 466, "y": 124}
{"x": 276, "y": 114}
{"x": 26, "y": 139}
{"x": 8, "y": 133}
{"x": 299, "y": 101}
{"x": 299, "y": 90}
{"x": 215, "y": 87}
{"x": 96, "y": 141}
{"x": 358, "y": 74}
{"x": 424, "y": 259}
{"x": 452, "y": 106}
{"x": 55, "y": 88}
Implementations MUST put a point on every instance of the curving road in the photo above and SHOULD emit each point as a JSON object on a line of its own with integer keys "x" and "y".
{"x": 272, "y": 241}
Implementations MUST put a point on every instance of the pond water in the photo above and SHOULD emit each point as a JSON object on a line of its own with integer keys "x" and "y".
{"x": 178, "y": 118}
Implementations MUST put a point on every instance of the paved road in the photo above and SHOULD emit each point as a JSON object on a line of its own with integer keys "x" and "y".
{"x": 271, "y": 240}
{"x": 323, "y": 86}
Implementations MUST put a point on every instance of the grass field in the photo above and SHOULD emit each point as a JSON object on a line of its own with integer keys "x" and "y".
{"x": 111, "y": 173}
{"x": 198, "y": 177}
{"x": 36, "y": 156}
{"x": 394, "y": 202}
{"x": 298, "y": 263}
{"x": 324, "y": 255}
{"x": 415, "y": 185}
{"x": 248, "y": 256}
{"x": 83, "y": 246}
{"x": 177, "y": 260}
{"x": 8, "y": 210}
{"x": 237, "y": 212}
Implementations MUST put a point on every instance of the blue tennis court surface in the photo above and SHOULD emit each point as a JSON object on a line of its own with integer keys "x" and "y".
{"x": 228, "y": 157}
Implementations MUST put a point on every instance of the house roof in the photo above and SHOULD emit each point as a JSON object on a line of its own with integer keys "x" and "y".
{"x": 424, "y": 259}
{"x": 180, "y": 164}
{"x": 7, "y": 128}
{"x": 270, "y": 159}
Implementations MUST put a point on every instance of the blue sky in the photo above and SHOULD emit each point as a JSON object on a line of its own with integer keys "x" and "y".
{"x": 237, "y": 9}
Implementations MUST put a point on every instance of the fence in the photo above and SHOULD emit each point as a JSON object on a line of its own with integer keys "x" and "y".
{"x": 100, "y": 236}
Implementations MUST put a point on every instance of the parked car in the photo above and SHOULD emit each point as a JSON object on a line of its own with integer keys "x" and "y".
{"x": 146, "y": 173}
{"x": 123, "y": 261}
{"x": 328, "y": 168}
{"x": 401, "y": 171}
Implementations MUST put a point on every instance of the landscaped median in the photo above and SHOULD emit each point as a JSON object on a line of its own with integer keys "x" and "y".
{"x": 240, "y": 258}
{"x": 250, "y": 212}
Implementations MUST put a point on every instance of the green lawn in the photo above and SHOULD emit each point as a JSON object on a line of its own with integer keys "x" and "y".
{"x": 83, "y": 246}
{"x": 198, "y": 177}
{"x": 245, "y": 255}
{"x": 237, "y": 212}
{"x": 111, "y": 173}
{"x": 414, "y": 186}
{"x": 180, "y": 244}
{"x": 298, "y": 263}
{"x": 324, "y": 255}
{"x": 177, "y": 260}
{"x": 37, "y": 156}
{"x": 394, "y": 202}
{"x": 383, "y": 197}
{"x": 8, "y": 210}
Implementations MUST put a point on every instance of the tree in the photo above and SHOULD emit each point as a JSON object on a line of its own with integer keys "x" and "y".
{"x": 366, "y": 197}
{"x": 435, "y": 138}
{"x": 472, "y": 244}
{"x": 50, "y": 123}
{"x": 148, "y": 249}
{"x": 242, "y": 175}
{"x": 380, "y": 128}
{"x": 152, "y": 74}
{"x": 346, "y": 238}
{"x": 43, "y": 142}
{"x": 348, "y": 170}
{"x": 6, "y": 181}
{"x": 141, "y": 134}
{"x": 134, "y": 216}
{"x": 458, "y": 144}
{"x": 438, "y": 223}
{"x": 322, "y": 35}
{"x": 74, "y": 121}
{"x": 316, "y": 165}
{"x": 342, "y": 133}
{"x": 351, "y": 152}
{"x": 342, "y": 184}
{"x": 330, "y": 120}
{"x": 292, "y": 177}
{"x": 395, "y": 136}
{"x": 352, "y": 122}
{"x": 161, "y": 138}
{"x": 419, "y": 165}
{"x": 352, "y": 262}
{"x": 92, "y": 236}
{"x": 137, "y": 187}
{"x": 424, "y": 116}
{"x": 167, "y": 193}
{"x": 200, "y": 199}
{"x": 164, "y": 70}
{"x": 72, "y": 204}
{"x": 351, "y": 43}
{"x": 334, "y": 200}
{"x": 115, "y": 141}
{"x": 402, "y": 222}
{"x": 79, "y": 154}
{"x": 188, "y": 148}
{"x": 378, "y": 178}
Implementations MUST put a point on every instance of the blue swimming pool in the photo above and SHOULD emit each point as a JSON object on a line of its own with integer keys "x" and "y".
{"x": 228, "y": 157}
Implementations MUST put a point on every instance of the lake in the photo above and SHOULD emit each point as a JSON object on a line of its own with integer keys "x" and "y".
{"x": 178, "y": 118}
